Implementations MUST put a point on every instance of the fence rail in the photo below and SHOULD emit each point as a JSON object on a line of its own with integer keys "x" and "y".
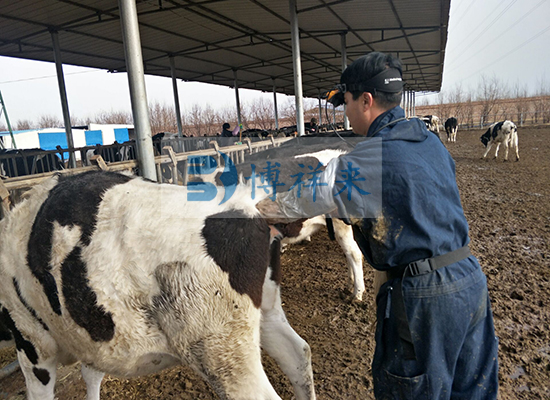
{"x": 171, "y": 166}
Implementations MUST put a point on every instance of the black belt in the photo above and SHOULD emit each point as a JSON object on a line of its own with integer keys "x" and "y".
{"x": 416, "y": 268}
{"x": 428, "y": 265}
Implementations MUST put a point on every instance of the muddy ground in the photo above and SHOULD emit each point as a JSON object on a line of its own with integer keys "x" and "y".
{"x": 508, "y": 208}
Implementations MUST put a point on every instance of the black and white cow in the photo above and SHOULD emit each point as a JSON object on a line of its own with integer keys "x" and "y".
{"x": 451, "y": 127}
{"x": 20, "y": 162}
{"x": 131, "y": 277}
{"x": 504, "y": 132}
{"x": 432, "y": 123}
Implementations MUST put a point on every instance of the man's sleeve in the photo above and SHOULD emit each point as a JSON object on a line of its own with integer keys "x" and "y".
{"x": 350, "y": 184}
{"x": 308, "y": 202}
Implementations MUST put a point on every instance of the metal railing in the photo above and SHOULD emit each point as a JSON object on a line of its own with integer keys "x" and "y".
{"x": 171, "y": 166}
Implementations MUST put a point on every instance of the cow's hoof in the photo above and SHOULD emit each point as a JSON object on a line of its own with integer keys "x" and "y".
{"x": 505, "y": 160}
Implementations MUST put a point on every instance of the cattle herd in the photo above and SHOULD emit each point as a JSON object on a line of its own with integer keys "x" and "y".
{"x": 128, "y": 277}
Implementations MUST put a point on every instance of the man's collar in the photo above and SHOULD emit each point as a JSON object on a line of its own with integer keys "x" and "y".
{"x": 385, "y": 118}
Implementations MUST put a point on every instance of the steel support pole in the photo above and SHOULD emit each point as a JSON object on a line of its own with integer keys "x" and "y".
{"x": 344, "y": 66}
{"x": 320, "y": 109}
{"x": 138, "y": 94}
{"x": 63, "y": 96}
{"x": 414, "y": 102}
{"x": 236, "y": 84}
{"x": 176, "y": 97}
{"x": 275, "y": 105}
{"x": 296, "y": 62}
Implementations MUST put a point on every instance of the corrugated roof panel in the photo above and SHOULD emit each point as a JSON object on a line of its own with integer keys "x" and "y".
{"x": 250, "y": 33}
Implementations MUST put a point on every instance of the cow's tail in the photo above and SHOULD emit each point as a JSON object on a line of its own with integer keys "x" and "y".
{"x": 330, "y": 227}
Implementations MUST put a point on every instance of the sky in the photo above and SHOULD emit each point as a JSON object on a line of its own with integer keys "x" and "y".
{"x": 505, "y": 39}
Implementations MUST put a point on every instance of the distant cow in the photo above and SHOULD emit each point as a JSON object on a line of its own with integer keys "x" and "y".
{"x": 20, "y": 162}
{"x": 451, "y": 127}
{"x": 504, "y": 132}
{"x": 432, "y": 123}
{"x": 131, "y": 277}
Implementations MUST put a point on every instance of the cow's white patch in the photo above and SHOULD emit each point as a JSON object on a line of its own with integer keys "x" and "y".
{"x": 323, "y": 156}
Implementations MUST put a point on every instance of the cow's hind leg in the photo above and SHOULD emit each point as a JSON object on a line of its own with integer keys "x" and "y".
{"x": 213, "y": 330}
{"x": 515, "y": 144}
{"x": 40, "y": 374}
{"x": 354, "y": 257}
{"x": 38, "y": 368}
{"x": 506, "y": 148}
{"x": 93, "y": 380}
{"x": 281, "y": 342}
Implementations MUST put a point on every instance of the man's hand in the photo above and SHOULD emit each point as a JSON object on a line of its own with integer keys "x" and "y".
{"x": 272, "y": 213}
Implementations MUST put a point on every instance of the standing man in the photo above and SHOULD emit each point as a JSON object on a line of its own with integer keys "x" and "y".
{"x": 225, "y": 130}
{"x": 435, "y": 336}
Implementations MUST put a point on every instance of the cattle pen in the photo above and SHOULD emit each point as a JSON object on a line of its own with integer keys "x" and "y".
{"x": 170, "y": 167}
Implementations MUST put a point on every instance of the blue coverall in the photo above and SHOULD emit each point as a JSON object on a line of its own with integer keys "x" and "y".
{"x": 448, "y": 310}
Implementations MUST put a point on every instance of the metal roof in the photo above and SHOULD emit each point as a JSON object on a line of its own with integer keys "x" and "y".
{"x": 209, "y": 39}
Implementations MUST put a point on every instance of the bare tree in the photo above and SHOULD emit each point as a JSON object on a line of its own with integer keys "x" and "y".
{"x": 489, "y": 93}
{"x": 49, "y": 121}
{"x": 23, "y": 124}
{"x": 288, "y": 111}
{"x": 457, "y": 99}
{"x": 261, "y": 112}
{"x": 210, "y": 121}
{"x": 114, "y": 117}
{"x": 468, "y": 110}
{"x": 77, "y": 121}
{"x": 162, "y": 118}
{"x": 195, "y": 119}
{"x": 521, "y": 104}
{"x": 543, "y": 100}
{"x": 443, "y": 107}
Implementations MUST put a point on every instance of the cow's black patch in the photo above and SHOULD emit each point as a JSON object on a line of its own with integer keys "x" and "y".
{"x": 330, "y": 227}
{"x": 275, "y": 261}
{"x": 292, "y": 229}
{"x": 240, "y": 246}
{"x": 5, "y": 333}
{"x": 73, "y": 201}
{"x": 81, "y": 300}
{"x": 21, "y": 344}
{"x": 496, "y": 129}
{"x": 166, "y": 302}
{"x": 486, "y": 137}
{"x": 42, "y": 375}
{"x": 29, "y": 308}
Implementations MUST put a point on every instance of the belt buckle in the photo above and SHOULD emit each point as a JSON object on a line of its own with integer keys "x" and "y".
{"x": 420, "y": 267}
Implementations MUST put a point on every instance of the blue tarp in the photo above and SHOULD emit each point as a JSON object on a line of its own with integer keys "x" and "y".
{"x": 121, "y": 135}
{"x": 49, "y": 140}
{"x": 93, "y": 137}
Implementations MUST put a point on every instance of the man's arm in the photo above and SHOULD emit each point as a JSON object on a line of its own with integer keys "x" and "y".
{"x": 303, "y": 202}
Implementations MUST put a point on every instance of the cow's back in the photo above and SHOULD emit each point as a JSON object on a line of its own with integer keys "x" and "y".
{"x": 118, "y": 272}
